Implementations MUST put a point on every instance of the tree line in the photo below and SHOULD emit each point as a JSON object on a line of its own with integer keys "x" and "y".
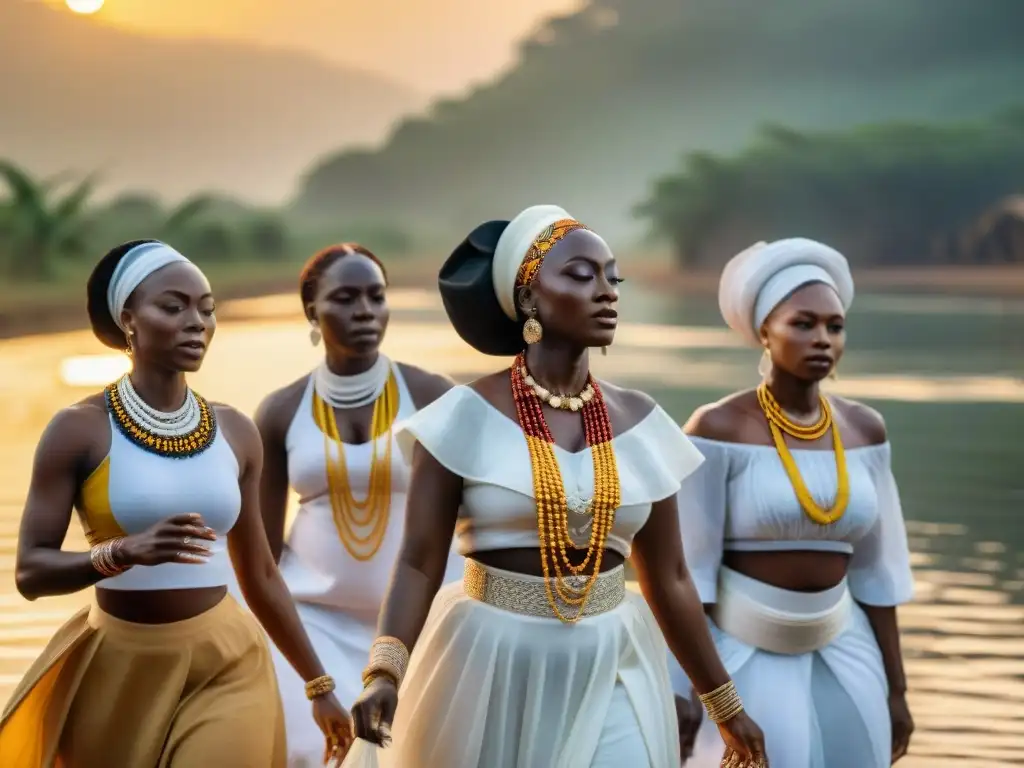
{"x": 890, "y": 194}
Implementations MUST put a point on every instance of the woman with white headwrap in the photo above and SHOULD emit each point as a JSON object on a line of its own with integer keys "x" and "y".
{"x": 164, "y": 669}
{"x": 793, "y": 528}
{"x": 549, "y": 479}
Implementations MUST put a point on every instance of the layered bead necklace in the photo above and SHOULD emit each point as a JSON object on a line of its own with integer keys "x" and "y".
{"x": 779, "y": 422}
{"x": 185, "y": 432}
{"x": 565, "y": 581}
{"x": 362, "y": 524}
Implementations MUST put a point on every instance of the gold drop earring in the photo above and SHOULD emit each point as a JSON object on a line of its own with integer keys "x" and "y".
{"x": 314, "y": 334}
{"x": 533, "y": 331}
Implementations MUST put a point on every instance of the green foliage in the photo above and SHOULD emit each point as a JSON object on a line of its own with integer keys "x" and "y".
{"x": 889, "y": 194}
{"x": 604, "y": 99}
{"x": 42, "y": 221}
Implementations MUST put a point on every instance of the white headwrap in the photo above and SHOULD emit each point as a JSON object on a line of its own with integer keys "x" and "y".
{"x": 134, "y": 267}
{"x": 758, "y": 279}
{"x": 512, "y": 246}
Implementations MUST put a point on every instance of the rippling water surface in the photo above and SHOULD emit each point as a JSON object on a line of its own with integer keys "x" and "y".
{"x": 947, "y": 375}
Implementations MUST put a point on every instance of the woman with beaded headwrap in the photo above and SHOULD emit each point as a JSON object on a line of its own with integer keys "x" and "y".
{"x": 164, "y": 669}
{"x": 793, "y": 529}
{"x": 550, "y": 479}
{"x": 330, "y": 437}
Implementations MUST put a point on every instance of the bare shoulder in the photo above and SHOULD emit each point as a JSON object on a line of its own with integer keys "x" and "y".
{"x": 424, "y": 386}
{"x": 865, "y": 421}
{"x": 276, "y": 411}
{"x": 626, "y": 407}
{"x": 728, "y": 420}
{"x": 78, "y": 424}
{"x": 239, "y": 429}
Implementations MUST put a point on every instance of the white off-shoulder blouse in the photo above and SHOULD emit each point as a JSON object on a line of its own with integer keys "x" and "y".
{"x": 474, "y": 440}
{"x": 741, "y": 499}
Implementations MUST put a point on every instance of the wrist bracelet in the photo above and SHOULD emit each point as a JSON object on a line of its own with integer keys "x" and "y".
{"x": 105, "y": 556}
{"x": 319, "y": 686}
{"x": 388, "y": 656}
{"x": 723, "y": 703}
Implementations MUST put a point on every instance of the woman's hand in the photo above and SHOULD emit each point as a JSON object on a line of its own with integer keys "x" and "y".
{"x": 336, "y": 725}
{"x": 177, "y": 539}
{"x": 902, "y": 725}
{"x": 374, "y": 711}
{"x": 744, "y": 743}
{"x": 690, "y": 714}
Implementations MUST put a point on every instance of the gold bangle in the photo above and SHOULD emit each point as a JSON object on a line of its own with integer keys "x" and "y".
{"x": 723, "y": 703}
{"x": 388, "y": 656}
{"x": 104, "y": 557}
{"x": 319, "y": 686}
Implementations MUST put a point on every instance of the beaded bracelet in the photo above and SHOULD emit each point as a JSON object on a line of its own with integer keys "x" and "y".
{"x": 723, "y": 703}
{"x": 319, "y": 686}
{"x": 388, "y": 657}
{"x": 104, "y": 557}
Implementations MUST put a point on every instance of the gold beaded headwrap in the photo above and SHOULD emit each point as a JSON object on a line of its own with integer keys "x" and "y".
{"x": 544, "y": 242}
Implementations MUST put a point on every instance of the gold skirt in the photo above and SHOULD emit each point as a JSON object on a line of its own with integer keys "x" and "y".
{"x": 190, "y": 694}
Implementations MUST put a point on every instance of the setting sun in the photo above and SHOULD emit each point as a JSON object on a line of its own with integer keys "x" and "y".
{"x": 85, "y": 6}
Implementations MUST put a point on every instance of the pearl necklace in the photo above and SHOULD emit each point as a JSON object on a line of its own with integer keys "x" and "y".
{"x": 562, "y": 402}
{"x": 352, "y": 391}
{"x": 174, "y": 424}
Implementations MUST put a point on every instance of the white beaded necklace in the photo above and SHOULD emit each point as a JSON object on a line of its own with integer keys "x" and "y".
{"x": 174, "y": 424}
{"x": 352, "y": 391}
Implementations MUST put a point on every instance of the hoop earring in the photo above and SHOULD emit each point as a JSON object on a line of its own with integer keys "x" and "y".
{"x": 533, "y": 331}
{"x": 314, "y": 335}
{"x": 764, "y": 365}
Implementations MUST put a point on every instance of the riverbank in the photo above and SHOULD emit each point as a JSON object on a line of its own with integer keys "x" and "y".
{"x": 27, "y": 310}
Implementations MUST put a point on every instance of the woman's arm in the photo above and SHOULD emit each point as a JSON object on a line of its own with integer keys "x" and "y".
{"x": 666, "y": 585}
{"x": 274, "y": 476}
{"x": 262, "y": 586}
{"x": 887, "y": 633}
{"x": 430, "y": 516}
{"x": 42, "y": 568}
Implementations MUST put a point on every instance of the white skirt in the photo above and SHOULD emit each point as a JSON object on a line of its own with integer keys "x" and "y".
{"x": 825, "y": 708}
{"x": 493, "y": 688}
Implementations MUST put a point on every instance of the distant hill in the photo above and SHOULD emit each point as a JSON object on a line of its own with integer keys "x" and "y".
{"x": 604, "y": 100}
{"x": 176, "y": 116}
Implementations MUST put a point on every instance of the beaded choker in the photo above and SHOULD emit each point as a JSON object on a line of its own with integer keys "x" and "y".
{"x": 186, "y": 432}
{"x": 778, "y": 423}
{"x": 566, "y": 582}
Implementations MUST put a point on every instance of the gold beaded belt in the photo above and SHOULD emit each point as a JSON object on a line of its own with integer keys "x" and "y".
{"x": 528, "y": 595}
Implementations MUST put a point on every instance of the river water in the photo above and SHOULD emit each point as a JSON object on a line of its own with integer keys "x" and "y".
{"x": 948, "y": 375}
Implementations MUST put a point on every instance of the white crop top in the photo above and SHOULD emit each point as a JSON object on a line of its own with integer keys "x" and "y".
{"x": 133, "y": 489}
{"x": 741, "y": 499}
{"x": 480, "y": 444}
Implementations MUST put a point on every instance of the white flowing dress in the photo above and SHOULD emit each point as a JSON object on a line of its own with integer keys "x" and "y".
{"x": 825, "y": 708}
{"x": 493, "y": 688}
{"x": 338, "y": 597}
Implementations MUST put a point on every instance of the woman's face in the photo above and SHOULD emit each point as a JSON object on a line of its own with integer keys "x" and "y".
{"x": 805, "y": 335}
{"x": 170, "y": 318}
{"x": 350, "y": 306}
{"x": 574, "y": 295}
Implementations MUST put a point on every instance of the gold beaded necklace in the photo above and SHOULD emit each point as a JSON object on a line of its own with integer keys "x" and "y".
{"x": 361, "y": 524}
{"x": 778, "y": 423}
{"x": 553, "y": 528}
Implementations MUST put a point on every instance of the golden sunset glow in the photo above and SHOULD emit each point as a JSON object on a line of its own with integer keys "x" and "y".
{"x": 85, "y": 6}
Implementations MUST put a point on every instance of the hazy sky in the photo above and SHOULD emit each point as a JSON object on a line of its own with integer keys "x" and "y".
{"x": 433, "y": 45}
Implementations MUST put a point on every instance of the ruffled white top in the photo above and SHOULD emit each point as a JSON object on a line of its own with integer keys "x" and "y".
{"x": 742, "y": 499}
{"x": 480, "y": 444}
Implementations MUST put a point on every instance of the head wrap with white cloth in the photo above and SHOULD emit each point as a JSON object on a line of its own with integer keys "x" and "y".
{"x": 757, "y": 280}
{"x": 478, "y": 281}
{"x": 134, "y": 267}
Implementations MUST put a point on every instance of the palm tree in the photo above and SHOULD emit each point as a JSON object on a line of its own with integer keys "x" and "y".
{"x": 43, "y": 223}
